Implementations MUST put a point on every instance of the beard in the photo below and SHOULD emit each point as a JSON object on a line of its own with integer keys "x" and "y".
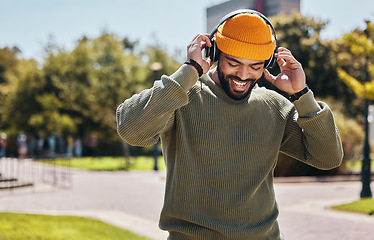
{"x": 227, "y": 82}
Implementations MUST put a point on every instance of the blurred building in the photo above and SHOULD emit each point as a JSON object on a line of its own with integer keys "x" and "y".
{"x": 267, "y": 7}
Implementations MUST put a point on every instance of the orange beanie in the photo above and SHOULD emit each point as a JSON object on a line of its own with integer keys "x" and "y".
{"x": 247, "y": 36}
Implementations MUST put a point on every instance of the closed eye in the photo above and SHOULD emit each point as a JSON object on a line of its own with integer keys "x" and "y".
{"x": 233, "y": 64}
{"x": 257, "y": 68}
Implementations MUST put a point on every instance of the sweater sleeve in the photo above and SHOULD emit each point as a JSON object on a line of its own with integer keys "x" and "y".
{"x": 311, "y": 135}
{"x": 141, "y": 118}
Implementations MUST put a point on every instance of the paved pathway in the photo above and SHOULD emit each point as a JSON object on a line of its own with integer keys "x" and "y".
{"x": 133, "y": 200}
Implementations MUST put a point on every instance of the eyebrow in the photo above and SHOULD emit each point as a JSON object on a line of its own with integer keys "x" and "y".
{"x": 238, "y": 62}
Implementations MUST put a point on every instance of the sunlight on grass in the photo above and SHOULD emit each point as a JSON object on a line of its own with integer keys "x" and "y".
{"x": 15, "y": 226}
{"x": 109, "y": 163}
{"x": 365, "y": 205}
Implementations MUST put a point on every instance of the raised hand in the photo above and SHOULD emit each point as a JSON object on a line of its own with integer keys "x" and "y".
{"x": 291, "y": 79}
{"x": 194, "y": 51}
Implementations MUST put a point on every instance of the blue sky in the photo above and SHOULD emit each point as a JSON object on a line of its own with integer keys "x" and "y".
{"x": 30, "y": 24}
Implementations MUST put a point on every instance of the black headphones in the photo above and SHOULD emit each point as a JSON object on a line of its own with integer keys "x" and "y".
{"x": 213, "y": 51}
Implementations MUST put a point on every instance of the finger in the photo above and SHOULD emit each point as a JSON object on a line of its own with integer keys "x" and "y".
{"x": 198, "y": 41}
{"x": 202, "y": 38}
{"x": 205, "y": 39}
{"x": 268, "y": 76}
{"x": 287, "y": 56}
{"x": 281, "y": 62}
{"x": 283, "y": 49}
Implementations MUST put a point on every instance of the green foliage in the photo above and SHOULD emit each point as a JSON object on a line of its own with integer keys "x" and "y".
{"x": 318, "y": 57}
{"x": 14, "y": 226}
{"x": 50, "y": 119}
{"x": 24, "y": 85}
{"x": 76, "y": 92}
{"x": 362, "y": 47}
{"x": 8, "y": 62}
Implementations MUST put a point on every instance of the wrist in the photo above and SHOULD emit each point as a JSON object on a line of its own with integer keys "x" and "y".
{"x": 196, "y": 65}
{"x": 297, "y": 95}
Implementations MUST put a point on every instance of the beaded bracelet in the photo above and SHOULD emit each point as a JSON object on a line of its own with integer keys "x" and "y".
{"x": 196, "y": 66}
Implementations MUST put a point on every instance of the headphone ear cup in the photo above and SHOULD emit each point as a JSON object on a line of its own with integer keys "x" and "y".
{"x": 214, "y": 51}
{"x": 271, "y": 62}
{"x": 208, "y": 51}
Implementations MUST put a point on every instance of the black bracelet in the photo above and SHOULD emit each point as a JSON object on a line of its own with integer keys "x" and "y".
{"x": 195, "y": 65}
{"x": 297, "y": 95}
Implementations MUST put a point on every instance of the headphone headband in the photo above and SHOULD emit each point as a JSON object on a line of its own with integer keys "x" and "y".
{"x": 240, "y": 11}
{"x": 213, "y": 52}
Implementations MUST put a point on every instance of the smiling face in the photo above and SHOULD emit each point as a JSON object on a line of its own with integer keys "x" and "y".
{"x": 237, "y": 76}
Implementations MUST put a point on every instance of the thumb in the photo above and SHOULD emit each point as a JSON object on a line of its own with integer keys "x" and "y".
{"x": 207, "y": 63}
{"x": 268, "y": 76}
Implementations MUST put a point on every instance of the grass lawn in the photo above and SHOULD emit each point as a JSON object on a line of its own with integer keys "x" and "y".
{"x": 15, "y": 226}
{"x": 365, "y": 205}
{"x": 110, "y": 163}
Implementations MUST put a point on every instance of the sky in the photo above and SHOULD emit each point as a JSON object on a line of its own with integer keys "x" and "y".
{"x": 31, "y": 24}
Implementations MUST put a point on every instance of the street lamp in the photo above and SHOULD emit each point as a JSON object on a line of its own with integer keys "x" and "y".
{"x": 156, "y": 68}
{"x": 366, "y": 162}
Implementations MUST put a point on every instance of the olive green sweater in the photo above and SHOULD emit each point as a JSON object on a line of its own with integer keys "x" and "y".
{"x": 220, "y": 153}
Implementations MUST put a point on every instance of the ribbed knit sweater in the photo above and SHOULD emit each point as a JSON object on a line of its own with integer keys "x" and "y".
{"x": 220, "y": 153}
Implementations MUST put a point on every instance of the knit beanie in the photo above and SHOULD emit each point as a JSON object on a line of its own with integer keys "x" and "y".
{"x": 247, "y": 36}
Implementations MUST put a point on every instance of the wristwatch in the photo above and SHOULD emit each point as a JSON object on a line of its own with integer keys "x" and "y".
{"x": 297, "y": 95}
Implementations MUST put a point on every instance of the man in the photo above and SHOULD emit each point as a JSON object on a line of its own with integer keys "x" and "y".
{"x": 221, "y": 133}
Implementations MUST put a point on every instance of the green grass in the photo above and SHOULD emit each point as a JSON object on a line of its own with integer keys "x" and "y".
{"x": 15, "y": 226}
{"x": 110, "y": 163}
{"x": 364, "y": 205}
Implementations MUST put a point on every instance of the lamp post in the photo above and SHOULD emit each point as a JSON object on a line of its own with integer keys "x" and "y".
{"x": 366, "y": 162}
{"x": 156, "y": 68}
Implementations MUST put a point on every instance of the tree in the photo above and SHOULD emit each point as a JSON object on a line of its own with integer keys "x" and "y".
{"x": 24, "y": 87}
{"x": 99, "y": 74}
{"x": 362, "y": 47}
{"x": 301, "y": 35}
{"x": 76, "y": 92}
{"x": 8, "y": 66}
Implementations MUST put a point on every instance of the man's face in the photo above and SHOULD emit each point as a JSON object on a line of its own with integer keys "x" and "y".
{"x": 238, "y": 76}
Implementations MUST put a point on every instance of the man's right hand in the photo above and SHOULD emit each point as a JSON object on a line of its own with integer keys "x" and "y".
{"x": 195, "y": 48}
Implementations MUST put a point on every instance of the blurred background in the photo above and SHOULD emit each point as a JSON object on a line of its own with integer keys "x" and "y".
{"x": 65, "y": 66}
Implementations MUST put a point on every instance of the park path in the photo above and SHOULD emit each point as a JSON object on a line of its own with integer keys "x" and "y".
{"x": 133, "y": 201}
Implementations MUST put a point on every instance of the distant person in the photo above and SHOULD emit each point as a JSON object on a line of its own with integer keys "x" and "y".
{"x": 70, "y": 146}
{"x": 52, "y": 144}
{"x": 22, "y": 145}
{"x": 91, "y": 145}
{"x": 3, "y": 144}
{"x": 78, "y": 147}
{"x": 221, "y": 133}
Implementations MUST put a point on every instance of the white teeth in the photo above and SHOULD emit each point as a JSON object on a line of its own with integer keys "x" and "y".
{"x": 239, "y": 83}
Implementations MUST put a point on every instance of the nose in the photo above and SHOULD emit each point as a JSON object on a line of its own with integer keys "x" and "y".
{"x": 244, "y": 73}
